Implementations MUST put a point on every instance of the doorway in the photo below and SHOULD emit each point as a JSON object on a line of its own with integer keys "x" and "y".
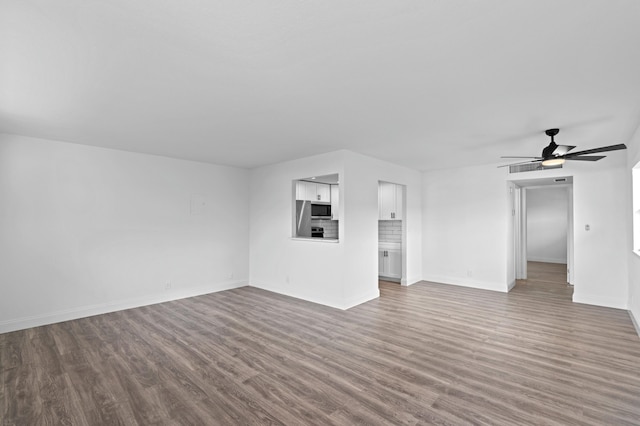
{"x": 392, "y": 233}
{"x": 542, "y": 233}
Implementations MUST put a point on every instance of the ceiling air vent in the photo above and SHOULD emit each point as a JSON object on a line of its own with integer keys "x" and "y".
{"x": 560, "y": 180}
{"x": 531, "y": 167}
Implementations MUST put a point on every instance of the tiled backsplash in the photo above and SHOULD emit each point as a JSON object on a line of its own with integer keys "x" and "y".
{"x": 330, "y": 227}
{"x": 390, "y": 231}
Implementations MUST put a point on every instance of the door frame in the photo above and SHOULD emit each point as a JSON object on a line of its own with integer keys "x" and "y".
{"x": 518, "y": 207}
{"x": 520, "y": 233}
{"x": 570, "y": 239}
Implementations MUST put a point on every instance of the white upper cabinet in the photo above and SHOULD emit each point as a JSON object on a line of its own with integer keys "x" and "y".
{"x": 304, "y": 190}
{"x": 301, "y": 190}
{"x": 335, "y": 202}
{"x": 323, "y": 193}
{"x": 311, "y": 191}
{"x": 389, "y": 201}
{"x": 386, "y": 200}
{"x": 397, "y": 214}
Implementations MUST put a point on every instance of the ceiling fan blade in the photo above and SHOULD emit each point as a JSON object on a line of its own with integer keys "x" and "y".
{"x": 537, "y": 158}
{"x": 586, "y": 157}
{"x": 562, "y": 150}
{"x": 596, "y": 150}
{"x": 524, "y": 162}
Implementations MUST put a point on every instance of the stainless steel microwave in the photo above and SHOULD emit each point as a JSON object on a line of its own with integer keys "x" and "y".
{"x": 320, "y": 211}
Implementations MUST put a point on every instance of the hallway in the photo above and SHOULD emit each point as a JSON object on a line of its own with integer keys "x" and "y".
{"x": 548, "y": 279}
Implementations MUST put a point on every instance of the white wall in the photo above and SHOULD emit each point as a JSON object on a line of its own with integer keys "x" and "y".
{"x": 86, "y": 230}
{"x": 465, "y": 214}
{"x": 363, "y": 176}
{"x": 465, "y": 217}
{"x": 633, "y": 258}
{"x": 601, "y": 254}
{"x": 309, "y": 270}
{"x": 340, "y": 274}
{"x": 547, "y": 210}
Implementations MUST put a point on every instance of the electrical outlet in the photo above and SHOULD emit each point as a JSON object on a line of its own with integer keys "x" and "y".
{"x": 469, "y": 273}
{"x": 287, "y": 279}
{"x": 230, "y": 275}
{"x": 167, "y": 285}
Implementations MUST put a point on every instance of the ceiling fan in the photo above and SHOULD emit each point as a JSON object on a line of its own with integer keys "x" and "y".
{"x": 556, "y": 155}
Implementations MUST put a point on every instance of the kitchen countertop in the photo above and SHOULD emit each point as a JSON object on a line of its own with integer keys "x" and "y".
{"x": 383, "y": 245}
{"x": 320, "y": 240}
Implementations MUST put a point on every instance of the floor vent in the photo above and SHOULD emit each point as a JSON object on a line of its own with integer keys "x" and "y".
{"x": 531, "y": 167}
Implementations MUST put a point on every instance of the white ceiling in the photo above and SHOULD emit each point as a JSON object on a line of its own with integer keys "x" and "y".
{"x": 426, "y": 84}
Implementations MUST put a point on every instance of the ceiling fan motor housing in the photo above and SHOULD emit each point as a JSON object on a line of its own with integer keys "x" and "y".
{"x": 548, "y": 151}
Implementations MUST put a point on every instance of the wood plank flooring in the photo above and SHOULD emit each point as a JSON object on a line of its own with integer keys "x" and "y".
{"x": 545, "y": 280}
{"x": 424, "y": 354}
{"x": 551, "y": 273}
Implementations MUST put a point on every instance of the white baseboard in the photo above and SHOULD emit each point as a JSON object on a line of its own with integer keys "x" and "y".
{"x": 546, "y": 259}
{"x": 635, "y": 322}
{"x": 482, "y": 285}
{"x": 511, "y": 285}
{"x": 410, "y": 281}
{"x": 607, "y": 302}
{"x": 337, "y": 304}
{"x": 355, "y": 301}
{"x": 104, "y": 308}
{"x": 290, "y": 293}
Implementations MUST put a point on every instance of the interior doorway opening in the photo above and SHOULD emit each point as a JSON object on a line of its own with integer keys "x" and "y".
{"x": 542, "y": 231}
{"x": 392, "y": 228}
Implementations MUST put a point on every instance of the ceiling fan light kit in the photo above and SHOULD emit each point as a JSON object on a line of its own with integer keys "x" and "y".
{"x": 552, "y": 162}
{"x": 554, "y": 155}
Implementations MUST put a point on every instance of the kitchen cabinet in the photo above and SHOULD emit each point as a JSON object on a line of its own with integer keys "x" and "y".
{"x": 304, "y": 190}
{"x": 395, "y": 263}
{"x": 323, "y": 193}
{"x": 390, "y": 263}
{"x": 311, "y": 191}
{"x": 335, "y": 202}
{"x": 389, "y": 201}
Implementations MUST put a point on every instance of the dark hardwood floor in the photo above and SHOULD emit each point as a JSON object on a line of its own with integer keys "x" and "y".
{"x": 425, "y": 354}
